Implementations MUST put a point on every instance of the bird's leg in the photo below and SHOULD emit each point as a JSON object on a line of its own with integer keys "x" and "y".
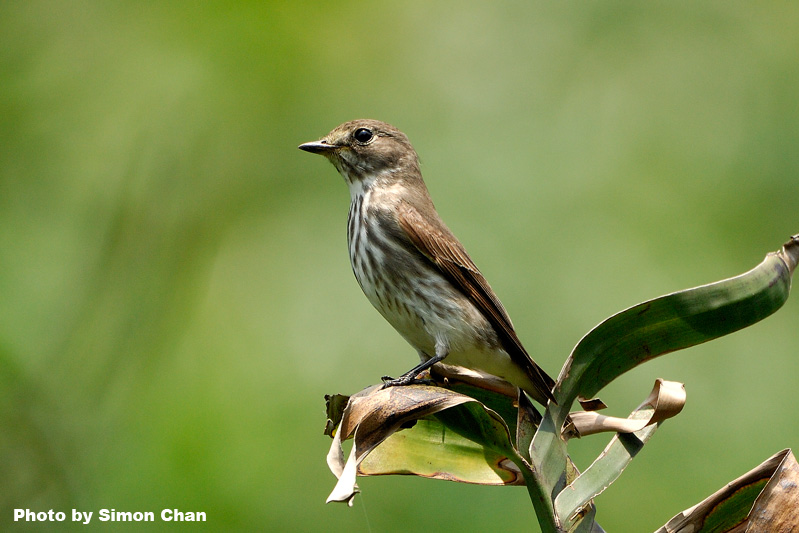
{"x": 409, "y": 377}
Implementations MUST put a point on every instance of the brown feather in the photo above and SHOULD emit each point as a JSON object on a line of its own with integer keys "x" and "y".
{"x": 439, "y": 245}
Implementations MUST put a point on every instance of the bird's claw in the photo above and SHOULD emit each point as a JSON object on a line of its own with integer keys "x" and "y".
{"x": 388, "y": 381}
{"x": 401, "y": 381}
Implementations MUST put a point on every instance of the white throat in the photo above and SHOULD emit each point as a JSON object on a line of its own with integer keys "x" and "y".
{"x": 364, "y": 183}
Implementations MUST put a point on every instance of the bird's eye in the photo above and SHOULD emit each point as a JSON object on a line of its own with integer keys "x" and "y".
{"x": 363, "y": 135}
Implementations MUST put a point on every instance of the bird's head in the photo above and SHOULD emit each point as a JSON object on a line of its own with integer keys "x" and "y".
{"x": 365, "y": 150}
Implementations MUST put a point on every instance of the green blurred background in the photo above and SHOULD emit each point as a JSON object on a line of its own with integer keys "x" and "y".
{"x": 175, "y": 292}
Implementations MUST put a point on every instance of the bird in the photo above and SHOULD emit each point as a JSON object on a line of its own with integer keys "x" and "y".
{"x": 413, "y": 269}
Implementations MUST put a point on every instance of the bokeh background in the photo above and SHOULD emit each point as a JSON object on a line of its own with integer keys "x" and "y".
{"x": 175, "y": 292}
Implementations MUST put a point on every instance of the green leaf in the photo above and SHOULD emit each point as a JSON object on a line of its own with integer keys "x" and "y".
{"x": 527, "y": 422}
{"x": 483, "y": 425}
{"x": 650, "y": 329}
{"x": 587, "y": 524}
{"x": 480, "y": 424}
{"x": 548, "y": 454}
{"x": 621, "y": 450}
{"x": 414, "y": 427}
{"x": 430, "y": 449}
{"x": 674, "y": 322}
{"x": 505, "y": 406}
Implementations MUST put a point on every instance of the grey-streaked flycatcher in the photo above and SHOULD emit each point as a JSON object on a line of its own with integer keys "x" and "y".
{"x": 413, "y": 269}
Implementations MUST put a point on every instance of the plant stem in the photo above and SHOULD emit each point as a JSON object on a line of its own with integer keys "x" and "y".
{"x": 542, "y": 502}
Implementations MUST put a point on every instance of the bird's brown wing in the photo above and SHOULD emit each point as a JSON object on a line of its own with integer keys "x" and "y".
{"x": 441, "y": 247}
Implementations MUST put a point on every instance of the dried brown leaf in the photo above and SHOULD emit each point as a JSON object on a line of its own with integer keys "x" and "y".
{"x": 776, "y": 485}
{"x": 666, "y": 399}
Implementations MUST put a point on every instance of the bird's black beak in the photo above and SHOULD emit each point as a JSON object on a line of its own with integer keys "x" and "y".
{"x": 318, "y": 147}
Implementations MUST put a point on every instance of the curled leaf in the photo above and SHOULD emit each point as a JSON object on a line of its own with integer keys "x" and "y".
{"x": 346, "y": 488}
{"x": 594, "y": 404}
{"x": 375, "y": 416}
{"x": 334, "y": 406}
{"x": 764, "y": 499}
{"x": 666, "y": 399}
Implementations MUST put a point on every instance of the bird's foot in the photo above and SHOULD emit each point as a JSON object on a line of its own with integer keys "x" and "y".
{"x": 407, "y": 379}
